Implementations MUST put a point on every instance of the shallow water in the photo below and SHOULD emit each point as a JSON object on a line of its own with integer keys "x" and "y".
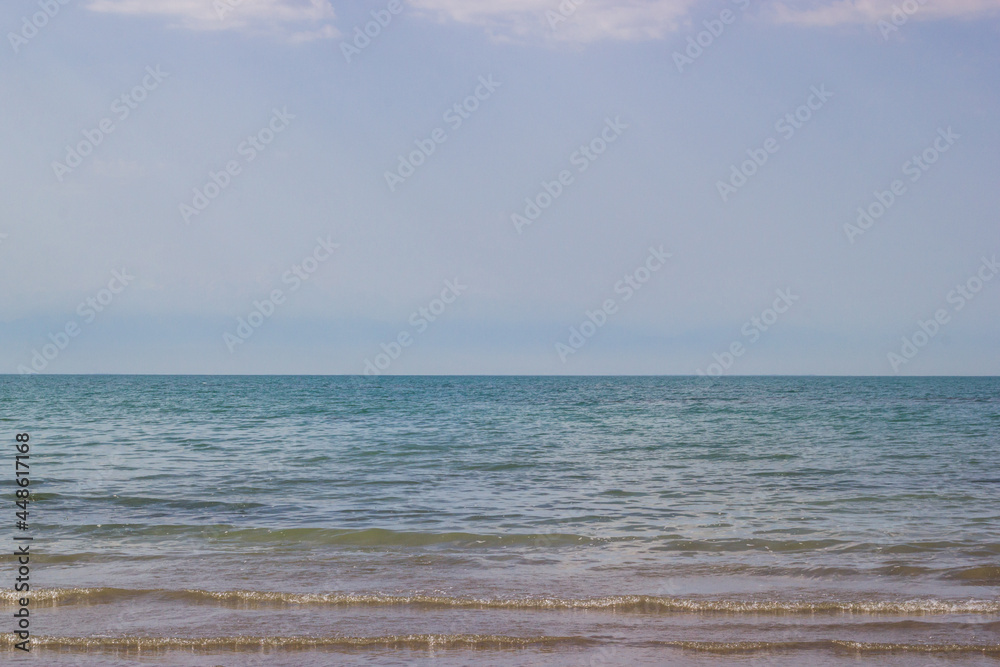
{"x": 443, "y": 520}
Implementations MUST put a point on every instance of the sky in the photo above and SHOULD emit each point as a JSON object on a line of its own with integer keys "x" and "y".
{"x": 725, "y": 187}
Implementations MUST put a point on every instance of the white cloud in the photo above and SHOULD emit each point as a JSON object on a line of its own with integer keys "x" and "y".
{"x": 593, "y": 20}
{"x": 296, "y": 20}
{"x": 839, "y": 12}
{"x": 585, "y": 20}
{"x": 533, "y": 20}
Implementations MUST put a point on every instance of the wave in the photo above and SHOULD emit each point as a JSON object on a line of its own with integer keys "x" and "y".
{"x": 981, "y": 574}
{"x": 834, "y": 645}
{"x": 257, "y": 538}
{"x": 299, "y": 537}
{"x": 258, "y": 642}
{"x": 989, "y": 574}
{"x": 618, "y": 603}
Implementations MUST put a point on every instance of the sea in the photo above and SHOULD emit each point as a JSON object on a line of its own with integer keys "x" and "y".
{"x": 313, "y": 520}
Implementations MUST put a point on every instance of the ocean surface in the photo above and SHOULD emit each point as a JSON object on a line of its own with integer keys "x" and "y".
{"x": 507, "y": 520}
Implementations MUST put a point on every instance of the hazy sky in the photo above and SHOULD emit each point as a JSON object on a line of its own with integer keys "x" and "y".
{"x": 258, "y": 186}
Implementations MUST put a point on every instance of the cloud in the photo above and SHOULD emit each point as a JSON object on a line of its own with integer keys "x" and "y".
{"x": 592, "y": 20}
{"x": 296, "y": 20}
{"x": 580, "y": 21}
{"x": 840, "y": 12}
{"x": 563, "y": 20}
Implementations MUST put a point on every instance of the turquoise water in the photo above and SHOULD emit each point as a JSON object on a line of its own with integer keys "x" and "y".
{"x": 510, "y": 520}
